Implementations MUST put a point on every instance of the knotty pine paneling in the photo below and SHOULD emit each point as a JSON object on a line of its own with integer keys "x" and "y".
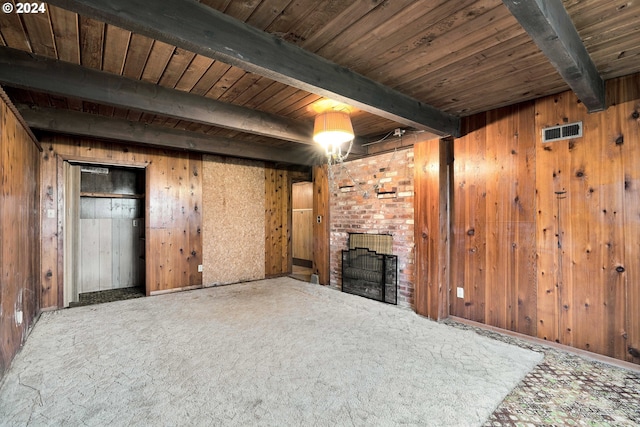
{"x": 547, "y": 237}
{"x": 173, "y": 222}
{"x": 278, "y": 222}
{"x": 19, "y": 246}
{"x": 493, "y": 259}
{"x": 589, "y": 237}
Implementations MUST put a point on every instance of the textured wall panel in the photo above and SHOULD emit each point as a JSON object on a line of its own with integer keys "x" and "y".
{"x": 233, "y": 220}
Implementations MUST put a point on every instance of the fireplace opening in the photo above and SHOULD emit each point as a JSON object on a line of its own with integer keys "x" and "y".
{"x": 369, "y": 268}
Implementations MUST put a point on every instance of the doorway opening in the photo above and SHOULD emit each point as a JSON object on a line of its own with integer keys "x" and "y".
{"x": 105, "y": 233}
{"x": 302, "y": 230}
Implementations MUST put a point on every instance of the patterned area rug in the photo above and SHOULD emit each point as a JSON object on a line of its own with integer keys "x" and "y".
{"x": 566, "y": 389}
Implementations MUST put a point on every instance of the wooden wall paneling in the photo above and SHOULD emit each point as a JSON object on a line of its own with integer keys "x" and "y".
{"x": 552, "y": 183}
{"x": 615, "y": 258}
{"x": 278, "y": 259}
{"x": 583, "y": 281}
{"x": 321, "y": 246}
{"x": 49, "y": 230}
{"x": 270, "y": 220}
{"x": 498, "y": 176}
{"x": 524, "y": 318}
{"x": 194, "y": 221}
{"x": 629, "y": 138}
{"x": 431, "y": 228}
{"x": 180, "y": 195}
{"x": 469, "y": 225}
{"x": 19, "y": 246}
{"x": 158, "y": 217}
{"x": 168, "y": 226}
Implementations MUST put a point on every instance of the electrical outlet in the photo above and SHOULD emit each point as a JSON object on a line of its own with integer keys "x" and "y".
{"x": 460, "y": 292}
{"x": 319, "y": 219}
{"x": 200, "y": 268}
{"x": 135, "y": 222}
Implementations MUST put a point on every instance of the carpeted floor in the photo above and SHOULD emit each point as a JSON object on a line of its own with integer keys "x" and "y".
{"x": 272, "y": 352}
{"x": 564, "y": 389}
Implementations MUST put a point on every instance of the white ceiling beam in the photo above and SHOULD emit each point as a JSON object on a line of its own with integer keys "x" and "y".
{"x": 206, "y": 31}
{"x": 549, "y": 25}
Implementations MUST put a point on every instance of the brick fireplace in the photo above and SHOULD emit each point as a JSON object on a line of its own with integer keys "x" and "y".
{"x": 375, "y": 195}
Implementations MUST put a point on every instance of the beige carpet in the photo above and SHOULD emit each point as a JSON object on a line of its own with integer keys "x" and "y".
{"x": 275, "y": 352}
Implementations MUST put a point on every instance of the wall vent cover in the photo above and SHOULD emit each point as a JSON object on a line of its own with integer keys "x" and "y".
{"x": 558, "y": 133}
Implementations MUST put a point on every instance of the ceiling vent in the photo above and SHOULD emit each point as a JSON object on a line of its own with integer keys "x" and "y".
{"x": 558, "y": 133}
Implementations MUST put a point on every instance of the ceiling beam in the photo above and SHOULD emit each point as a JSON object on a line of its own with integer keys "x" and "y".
{"x": 29, "y": 71}
{"x": 206, "y": 31}
{"x": 549, "y": 25}
{"x": 94, "y": 126}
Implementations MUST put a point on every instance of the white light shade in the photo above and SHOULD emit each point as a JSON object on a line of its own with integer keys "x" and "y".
{"x": 332, "y": 128}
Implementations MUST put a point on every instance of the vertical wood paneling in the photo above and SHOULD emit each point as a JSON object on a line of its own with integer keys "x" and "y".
{"x": 49, "y": 204}
{"x": 19, "y": 246}
{"x": 278, "y": 254}
{"x": 173, "y": 197}
{"x": 431, "y": 227}
{"x": 591, "y": 225}
{"x": 547, "y": 235}
{"x": 494, "y": 222}
{"x": 469, "y": 226}
{"x": 626, "y": 92}
{"x": 321, "y": 244}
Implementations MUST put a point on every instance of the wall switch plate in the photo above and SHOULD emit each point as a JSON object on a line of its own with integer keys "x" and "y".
{"x": 460, "y": 292}
{"x": 200, "y": 268}
{"x": 51, "y": 213}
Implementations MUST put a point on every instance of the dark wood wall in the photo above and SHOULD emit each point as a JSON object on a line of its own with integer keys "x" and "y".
{"x": 173, "y": 221}
{"x": 547, "y": 236}
{"x": 19, "y": 243}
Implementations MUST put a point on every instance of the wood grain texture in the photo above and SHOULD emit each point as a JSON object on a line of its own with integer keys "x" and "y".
{"x": 173, "y": 193}
{"x": 321, "y": 245}
{"x": 431, "y": 228}
{"x": 278, "y": 222}
{"x": 494, "y": 202}
{"x": 591, "y": 295}
{"x": 545, "y": 235}
{"x": 20, "y": 243}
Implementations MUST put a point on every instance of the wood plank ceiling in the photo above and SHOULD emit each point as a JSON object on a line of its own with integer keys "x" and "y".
{"x": 460, "y": 57}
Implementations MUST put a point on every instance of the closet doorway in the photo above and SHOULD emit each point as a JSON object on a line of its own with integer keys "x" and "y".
{"x": 105, "y": 217}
